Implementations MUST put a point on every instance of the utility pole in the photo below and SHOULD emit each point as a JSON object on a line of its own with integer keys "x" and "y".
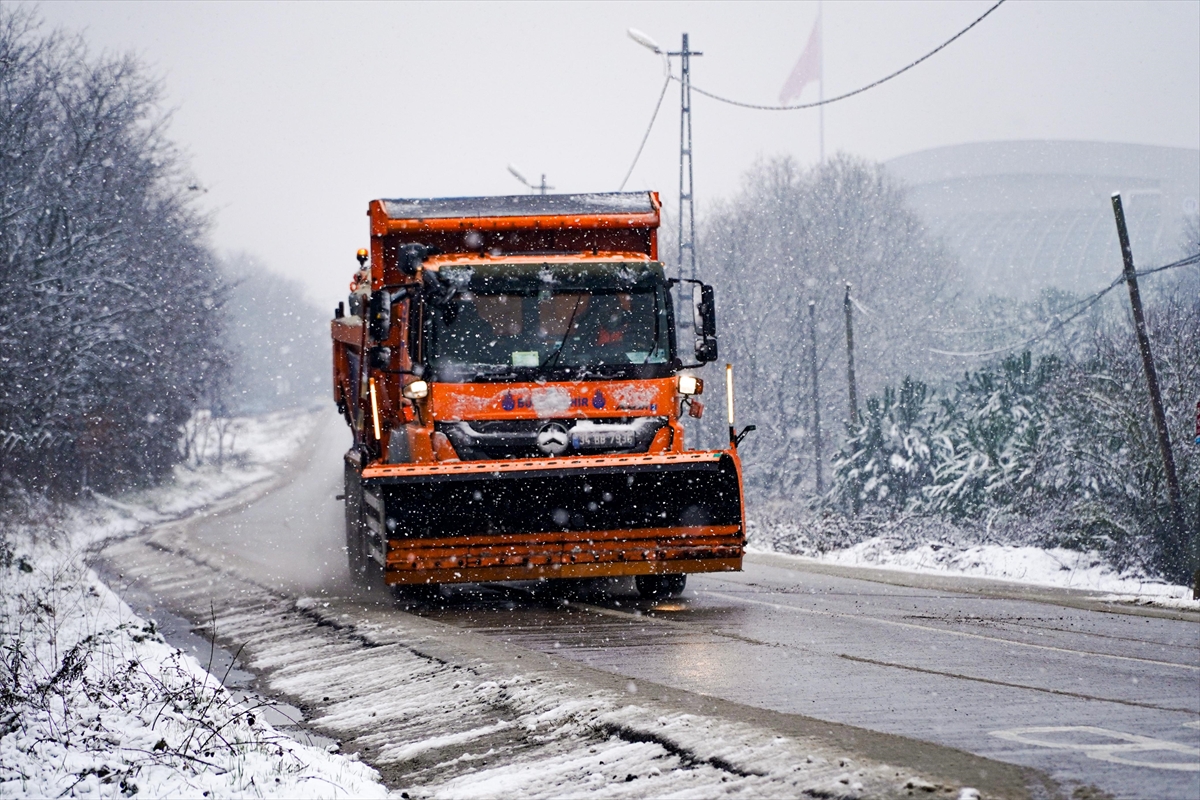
{"x": 1179, "y": 538}
{"x": 821, "y": 76}
{"x": 541, "y": 188}
{"x": 816, "y": 397}
{"x": 850, "y": 357}
{"x": 687, "y": 213}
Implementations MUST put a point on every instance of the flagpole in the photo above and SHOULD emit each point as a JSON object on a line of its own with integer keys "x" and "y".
{"x": 821, "y": 76}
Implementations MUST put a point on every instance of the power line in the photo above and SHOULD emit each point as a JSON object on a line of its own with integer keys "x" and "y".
{"x": 1086, "y": 304}
{"x": 671, "y": 77}
{"x": 649, "y": 127}
{"x": 883, "y": 80}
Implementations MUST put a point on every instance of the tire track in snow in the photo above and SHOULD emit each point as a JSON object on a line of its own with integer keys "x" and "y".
{"x": 440, "y": 712}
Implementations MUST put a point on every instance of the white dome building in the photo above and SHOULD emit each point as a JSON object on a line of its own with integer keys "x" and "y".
{"x": 1024, "y": 216}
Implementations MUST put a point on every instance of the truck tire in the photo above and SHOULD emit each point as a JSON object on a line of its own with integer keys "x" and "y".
{"x": 659, "y": 586}
{"x": 356, "y": 558}
{"x": 562, "y": 589}
{"x": 418, "y": 594}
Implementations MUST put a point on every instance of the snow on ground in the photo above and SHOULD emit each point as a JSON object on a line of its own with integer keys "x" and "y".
{"x": 1055, "y": 567}
{"x": 480, "y": 719}
{"x": 1060, "y": 567}
{"x": 1001, "y": 547}
{"x": 224, "y": 456}
{"x": 93, "y": 702}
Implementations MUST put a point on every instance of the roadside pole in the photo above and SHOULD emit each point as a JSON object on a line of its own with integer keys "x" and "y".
{"x": 816, "y": 396}
{"x": 1178, "y": 540}
{"x": 850, "y": 357}
{"x": 855, "y": 420}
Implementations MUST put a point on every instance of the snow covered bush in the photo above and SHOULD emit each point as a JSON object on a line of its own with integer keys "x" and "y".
{"x": 991, "y": 437}
{"x": 978, "y": 445}
{"x": 1105, "y": 457}
{"x": 887, "y": 459}
{"x": 109, "y": 298}
{"x": 1066, "y": 440}
{"x": 94, "y": 703}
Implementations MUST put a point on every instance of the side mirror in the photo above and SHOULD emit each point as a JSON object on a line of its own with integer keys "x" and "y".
{"x": 704, "y": 322}
{"x": 379, "y": 315}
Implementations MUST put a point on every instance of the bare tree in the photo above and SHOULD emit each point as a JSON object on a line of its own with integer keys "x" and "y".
{"x": 109, "y": 298}
{"x": 796, "y": 235}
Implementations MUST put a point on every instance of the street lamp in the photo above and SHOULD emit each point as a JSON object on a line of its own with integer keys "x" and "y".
{"x": 644, "y": 40}
{"x": 539, "y": 188}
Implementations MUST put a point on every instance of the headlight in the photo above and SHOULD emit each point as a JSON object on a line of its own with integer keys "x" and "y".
{"x": 690, "y": 384}
{"x": 416, "y": 390}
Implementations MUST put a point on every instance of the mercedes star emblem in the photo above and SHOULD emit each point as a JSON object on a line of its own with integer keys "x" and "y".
{"x": 552, "y": 439}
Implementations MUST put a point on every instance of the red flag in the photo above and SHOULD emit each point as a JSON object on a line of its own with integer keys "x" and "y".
{"x": 807, "y": 69}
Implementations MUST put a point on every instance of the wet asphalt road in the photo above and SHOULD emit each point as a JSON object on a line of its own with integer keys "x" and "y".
{"x": 1089, "y": 696}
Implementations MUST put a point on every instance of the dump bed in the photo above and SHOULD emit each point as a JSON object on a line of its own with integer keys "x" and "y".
{"x": 609, "y": 222}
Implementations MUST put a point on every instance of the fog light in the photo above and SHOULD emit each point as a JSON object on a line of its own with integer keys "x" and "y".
{"x": 416, "y": 390}
{"x": 690, "y": 384}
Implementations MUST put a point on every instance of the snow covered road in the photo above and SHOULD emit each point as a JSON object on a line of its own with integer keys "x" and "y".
{"x": 722, "y": 687}
{"x": 987, "y": 673}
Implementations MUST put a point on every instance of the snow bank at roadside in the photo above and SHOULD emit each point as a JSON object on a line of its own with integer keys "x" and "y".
{"x": 224, "y": 457}
{"x": 935, "y": 545}
{"x": 93, "y": 701}
{"x": 503, "y": 722}
{"x": 1056, "y": 567}
{"x": 1059, "y": 567}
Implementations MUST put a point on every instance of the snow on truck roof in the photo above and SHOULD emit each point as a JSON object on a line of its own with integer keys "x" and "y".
{"x": 528, "y": 223}
{"x": 524, "y": 205}
{"x": 450, "y": 260}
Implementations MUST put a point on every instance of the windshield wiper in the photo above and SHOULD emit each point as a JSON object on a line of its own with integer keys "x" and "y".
{"x": 498, "y": 371}
{"x": 550, "y": 359}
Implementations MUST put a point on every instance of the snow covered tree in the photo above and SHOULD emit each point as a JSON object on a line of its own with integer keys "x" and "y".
{"x": 109, "y": 298}
{"x": 1068, "y": 441}
{"x": 796, "y": 235}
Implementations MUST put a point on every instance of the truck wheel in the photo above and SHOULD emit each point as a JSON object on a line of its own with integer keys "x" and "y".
{"x": 425, "y": 594}
{"x": 657, "y": 586}
{"x": 561, "y": 588}
{"x": 356, "y": 559}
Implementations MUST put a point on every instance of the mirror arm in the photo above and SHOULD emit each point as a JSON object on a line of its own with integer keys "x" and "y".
{"x": 745, "y": 432}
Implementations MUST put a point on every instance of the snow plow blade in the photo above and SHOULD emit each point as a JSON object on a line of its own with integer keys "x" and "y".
{"x": 591, "y": 516}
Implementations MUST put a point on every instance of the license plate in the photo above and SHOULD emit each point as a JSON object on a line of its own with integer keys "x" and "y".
{"x": 603, "y": 439}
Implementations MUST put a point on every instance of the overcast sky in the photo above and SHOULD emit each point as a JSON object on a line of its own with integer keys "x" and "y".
{"x": 297, "y": 114}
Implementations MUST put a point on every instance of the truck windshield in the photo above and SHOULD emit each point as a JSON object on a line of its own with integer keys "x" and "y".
{"x": 514, "y": 322}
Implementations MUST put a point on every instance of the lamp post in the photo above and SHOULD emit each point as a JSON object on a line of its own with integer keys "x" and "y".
{"x": 687, "y": 214}
{"x": 540, "y": 188}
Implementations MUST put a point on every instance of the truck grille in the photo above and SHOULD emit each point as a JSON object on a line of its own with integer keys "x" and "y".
{"x": 503, "y": 439}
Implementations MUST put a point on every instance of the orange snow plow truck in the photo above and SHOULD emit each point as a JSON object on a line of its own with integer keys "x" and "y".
{"x": 509, "y": 369}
